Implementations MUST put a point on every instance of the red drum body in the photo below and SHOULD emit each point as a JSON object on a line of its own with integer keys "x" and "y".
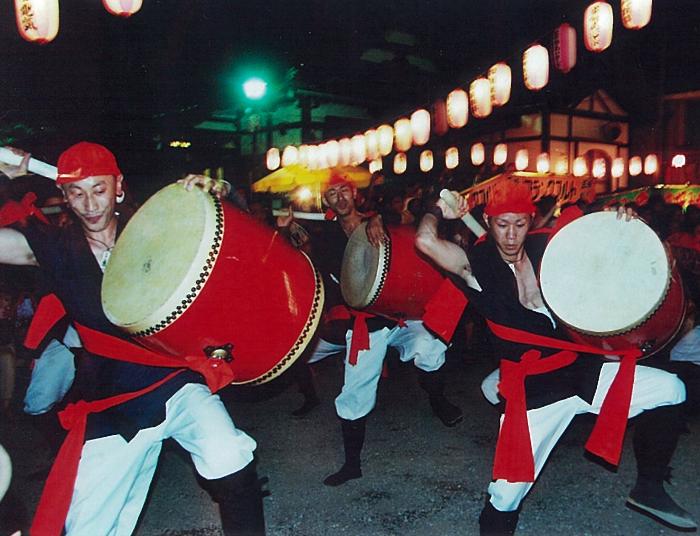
{"x": 612, "y": 284}
{"x": 393, "y": 279}
{"x": 191, "y": 274}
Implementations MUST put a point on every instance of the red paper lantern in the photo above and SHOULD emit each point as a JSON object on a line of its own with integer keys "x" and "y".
{"x": 122, "y": 8}
{"x": 536, "y": 67}
{"x": 564, "y": 47}
{"x": 440, "y": 125}
{"x": 636, "y": 14}
{"x": 480, "y": 97}
{"x": 37, "y": 20}
{"x": 457, "y": 108}
{"x": 598, "y": 26}
{"x": 500, "y": 78}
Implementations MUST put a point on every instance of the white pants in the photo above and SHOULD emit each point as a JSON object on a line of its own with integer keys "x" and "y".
{"x": 652, "y": 388}
{"x": 52, "y": 376}
{"x": 324, "y": 349}
{"x": 688, "y": 348}
{"x": 114, "y": 475}
{"x": 414, "y": 342}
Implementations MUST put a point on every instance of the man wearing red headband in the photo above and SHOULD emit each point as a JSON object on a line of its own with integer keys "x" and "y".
{"x": 120, "y": 454}
{"x": 364, "y": 360}
{"x": 544, "y": 395}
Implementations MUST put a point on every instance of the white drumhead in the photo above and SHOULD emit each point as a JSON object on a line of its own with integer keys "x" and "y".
{"x": 601, "y": 275}
{"x": 363, "y": 271}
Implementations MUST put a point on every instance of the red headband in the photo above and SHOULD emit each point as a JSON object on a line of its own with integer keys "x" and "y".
{"x": 86, "y": 159}
{"x": 509, "y": 196}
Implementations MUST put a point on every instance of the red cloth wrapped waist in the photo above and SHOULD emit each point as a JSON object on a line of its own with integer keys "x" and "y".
{"x": 56, "y": 496}
{"x": 13, "y": 212}
{"x": 514, "y": 460}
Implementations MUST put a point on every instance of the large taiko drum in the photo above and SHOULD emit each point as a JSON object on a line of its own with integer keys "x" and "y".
{"x": 612, "y": 283}
{"x": 191, "y": 274}
{"x": 393, "y": 279}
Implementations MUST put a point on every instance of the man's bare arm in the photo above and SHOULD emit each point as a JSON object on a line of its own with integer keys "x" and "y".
{"x": 14, "y": 248}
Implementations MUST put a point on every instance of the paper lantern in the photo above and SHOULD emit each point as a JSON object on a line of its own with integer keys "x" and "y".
{"x": 618, "y": 167}
{"x": 290, "y": 155}
{"x": 562, "y": 166}
{"x": 332, "y": 152}
{"x": 399, "y": 163}
{"x": 359, "y": 149}
{"x": 500, "y": 78}
{"x": 420, "y": 126}
{"x": 522, "y": 159}
{"x": 403, "y": 136}
{"x": 480, "y": 97}
{"x": 345, "y": 156}
{"x": 375, "y": 165}
{"x": 564, "y": 47}
{"x": 651, "y": 164}
{"x": 543, "y": 163}
{"x": 598, "y": 26}
{"x": 37, "y": 20}
{"x": 478, "y": 154}
{"x": 580, "y": 167}
{"x": 678, "y": 161}
{"x": 322, "y": 156}
{"x": 272, "y": 158}
{"x": 457, "y": 108}
{"x": 386, "y": 139}
{"x": 314, "y": 157}
{"x": 372, "y": 144}
{"x": 635, "y": 165}
{"x": 536, "y": 67}
{"x": 304, "y": 155}
{"x": 636, "y": 14}
{"x": 440, "y": 125}
{"x": 426, "y": 160}
{"x": 451, "y": 157}
{"x": 500, "y": 154}
{"x": 122, "y": 8}
{"x": 598, "y": 168}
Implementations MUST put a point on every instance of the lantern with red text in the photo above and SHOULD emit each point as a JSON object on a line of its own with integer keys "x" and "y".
{"x": 272, "y": 158}
{"x": 457, "y": 108}
{"x": 359, "y": 149}
{"x": 399, "y": 163}
{"x": 580, "y": 167}
{"x": 564, "y": 47}
{"x": 636, "y": 14}
{"x": 345, "y": 146}
{"x": 37, "y": 20}
{"x": 651, "y": 164}
{"x": 522, "y": 159}
{"x": 536, "y": 67}
{"x": 122, "y": 8}
{"x": 426, "y": 160}
{"x": 478, "y": 154}
{"x": 386, "y": 139}
{"x": 440, "y": 125}
{"x": 420, "y": 126}
{"x": 635, "y": 165}
{"x": 480, "y": 97}
{"x": 403, "y": 136}
{"x": 500, "y": 79}
{"x": 500, "y": 154}
{"x": 451, "y": 157}
{"x": 543, "y": 163}
{"x": 598, "y": 26}
{"x": 372, "y": 144}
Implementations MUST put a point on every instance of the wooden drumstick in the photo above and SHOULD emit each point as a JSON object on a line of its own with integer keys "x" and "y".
{"x": 469, "y": 220}
{"x": 34, "y": 165}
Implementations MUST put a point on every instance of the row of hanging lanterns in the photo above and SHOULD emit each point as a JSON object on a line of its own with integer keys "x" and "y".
{"x": 484, "y": 93}
{"x": 38, "y": 20}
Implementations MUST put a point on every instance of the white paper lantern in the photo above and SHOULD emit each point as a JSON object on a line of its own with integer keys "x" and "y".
{"x": 290, "y": 155}
{"x": 304, "y": 155}
{"x": 500, "y": 154}
{"x": 651, "y": 164}
{"x": 480, "y": 97}
{"x": 37, "y": 20}
{"x": 332, "y": 152}
{"x": 314, "y": 157}
{"x": 598, "y": 168}
{"x": 359, "y": 149}
{"x": 500, "y": 78}
{"x": 580, "y": 167}
{"x": 403, "y": 136}
{"x": 345, "y": 156}
{"x": 562, "y": 166}
{"x": 543, "y": 163}
{"x": 617, "y": 168}
{"x": 426, "y": 160}
{"x": 122, "y": 8}
{"x": 536, "y": 67}
{"x": 678, "y": 161}
{"x": 386, "y": 139}
{"x": 457, "y": 108}
{"x": 372, "y": 144}
{"x": 375, "y": 165}
{"x": 451, "y": 157}
{"x": 522, "y": 159}
{"x": 636, "y": 14}
{"x": 272, "y": 158}
{"x": 598, "y": 26}
{"x": 478, "y": 154}
{"x": 635, "y": 165}
{"x": 399, "y": 163}
{"x": 420, "y": 126}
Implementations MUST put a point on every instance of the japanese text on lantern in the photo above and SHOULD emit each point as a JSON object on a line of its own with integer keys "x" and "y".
{"x": 27, "y": 16}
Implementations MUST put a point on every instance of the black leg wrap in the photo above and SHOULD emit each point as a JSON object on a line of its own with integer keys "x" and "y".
{"x": 433, "y": 384}
{"x": 353, "y": 440}
{"x": 493, "y": 522}
{"x": 305, "y": 383}
{"x": 239, "y": 496}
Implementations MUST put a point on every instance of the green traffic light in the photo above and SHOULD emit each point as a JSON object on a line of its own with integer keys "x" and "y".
{"x": 255, "y": 88}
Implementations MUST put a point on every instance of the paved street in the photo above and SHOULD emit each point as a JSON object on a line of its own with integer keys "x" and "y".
{"x": 420, "y": 478}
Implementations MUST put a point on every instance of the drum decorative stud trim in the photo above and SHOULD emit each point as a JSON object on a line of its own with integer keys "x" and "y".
{"x": 385, "y": 261}
{"x": 204, "y": 274}
{"x": 303, "y": 339}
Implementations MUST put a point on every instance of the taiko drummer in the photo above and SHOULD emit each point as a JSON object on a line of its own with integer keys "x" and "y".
{"x": 545, "y": 378}
{"x": 123, "y": 435}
